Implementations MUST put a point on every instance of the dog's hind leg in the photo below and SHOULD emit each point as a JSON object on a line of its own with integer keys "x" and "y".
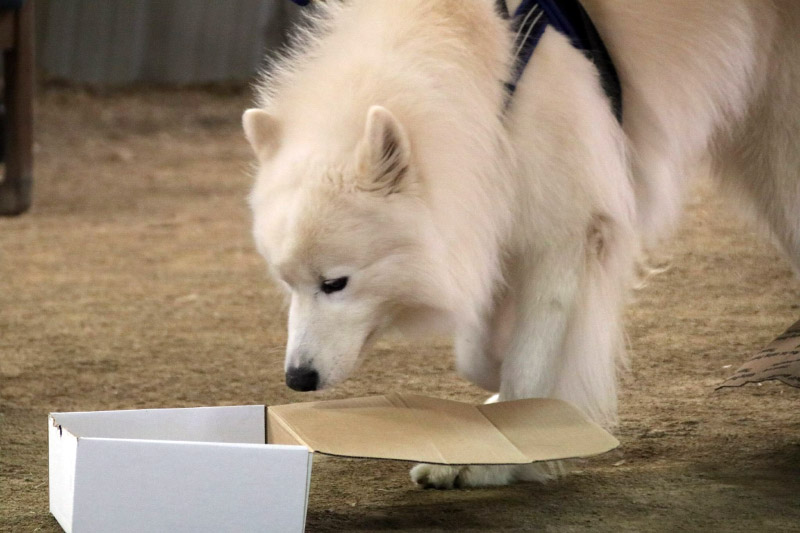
{"x": 759, "y": 160}
{"x": 771, "y": 188}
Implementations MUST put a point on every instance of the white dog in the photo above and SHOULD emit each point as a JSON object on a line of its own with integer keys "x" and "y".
{"x": 396, "y": 189}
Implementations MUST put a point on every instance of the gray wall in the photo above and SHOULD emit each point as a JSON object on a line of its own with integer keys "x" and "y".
{"x": 115, "y": 42}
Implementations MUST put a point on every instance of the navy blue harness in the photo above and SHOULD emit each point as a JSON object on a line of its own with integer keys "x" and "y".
{"x": 532, "y": 18}
{"x": 569, "y": 17}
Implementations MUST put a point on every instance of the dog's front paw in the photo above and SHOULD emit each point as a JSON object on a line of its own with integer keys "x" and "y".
{"x": 436, "y": 476}
{"x": 461, "y": 477}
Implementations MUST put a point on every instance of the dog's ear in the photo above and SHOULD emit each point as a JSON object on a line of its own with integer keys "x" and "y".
{"x": 262, "y": 131}
{"x": 384, "y": 154}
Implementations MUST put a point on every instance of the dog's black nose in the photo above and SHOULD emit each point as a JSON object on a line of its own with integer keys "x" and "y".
{"x": 302, "y": 378}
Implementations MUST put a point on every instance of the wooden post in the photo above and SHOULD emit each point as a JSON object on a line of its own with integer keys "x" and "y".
{"x": 15, "y": 189}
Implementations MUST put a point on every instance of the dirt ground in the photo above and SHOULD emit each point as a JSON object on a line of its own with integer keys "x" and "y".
{"x": 133, "y": 283}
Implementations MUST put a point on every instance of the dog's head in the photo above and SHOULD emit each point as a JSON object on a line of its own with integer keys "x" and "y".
{"x": 346, "y": 235}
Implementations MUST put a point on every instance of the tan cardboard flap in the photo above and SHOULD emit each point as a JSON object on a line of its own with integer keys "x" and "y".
{"x": 416, "y": 428}
{"x": 779, "y": 360}
{"x": 545, "y": 429}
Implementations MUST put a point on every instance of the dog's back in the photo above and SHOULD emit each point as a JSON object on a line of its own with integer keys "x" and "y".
{"x": 718, "y": 75}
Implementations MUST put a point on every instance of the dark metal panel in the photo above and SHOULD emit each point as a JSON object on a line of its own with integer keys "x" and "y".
{"x": 92, "y": 38}
{"x": 127, "y": 45}
{"x": 57, "y": 52}
{"x": 165, "y": 41}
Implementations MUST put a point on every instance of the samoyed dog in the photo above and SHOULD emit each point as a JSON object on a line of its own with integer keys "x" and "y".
{"x": 397, "y": 189}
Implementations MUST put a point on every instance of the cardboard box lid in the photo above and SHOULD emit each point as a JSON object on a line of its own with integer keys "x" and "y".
{"x": 779, "y": 360}
{"x": 407, "y": 427}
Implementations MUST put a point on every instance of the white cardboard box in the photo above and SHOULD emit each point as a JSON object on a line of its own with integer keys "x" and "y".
{"x": 200, "y": 469}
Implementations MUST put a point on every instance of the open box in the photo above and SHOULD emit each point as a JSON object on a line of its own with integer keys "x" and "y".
{"x": 201, "y": 469}
{"x": 248, "y": 468}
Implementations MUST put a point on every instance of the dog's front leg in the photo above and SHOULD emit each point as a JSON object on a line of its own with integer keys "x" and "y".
{"x": 479, "y": 349}
{"x": 544, "y": 285}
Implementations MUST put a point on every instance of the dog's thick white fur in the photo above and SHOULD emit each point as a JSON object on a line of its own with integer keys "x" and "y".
{"x": 388, "y": 162}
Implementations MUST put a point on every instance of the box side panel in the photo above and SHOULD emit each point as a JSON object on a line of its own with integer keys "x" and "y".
{"x": 243, "y": 424}
{"x": 308, "y": 487}
{"x": 62, "y": 453}
{"x": 546, "y": 429}
{"x": 127, "y": 485}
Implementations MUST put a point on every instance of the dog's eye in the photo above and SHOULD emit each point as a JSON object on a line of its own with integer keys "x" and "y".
{"x": 333, "y": 285}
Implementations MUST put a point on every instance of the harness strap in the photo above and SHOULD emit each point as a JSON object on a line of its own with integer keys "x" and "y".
{"x": 568, "y": 17}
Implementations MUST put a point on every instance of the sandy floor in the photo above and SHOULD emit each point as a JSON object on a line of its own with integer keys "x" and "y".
{"x": 133, "y": 283}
